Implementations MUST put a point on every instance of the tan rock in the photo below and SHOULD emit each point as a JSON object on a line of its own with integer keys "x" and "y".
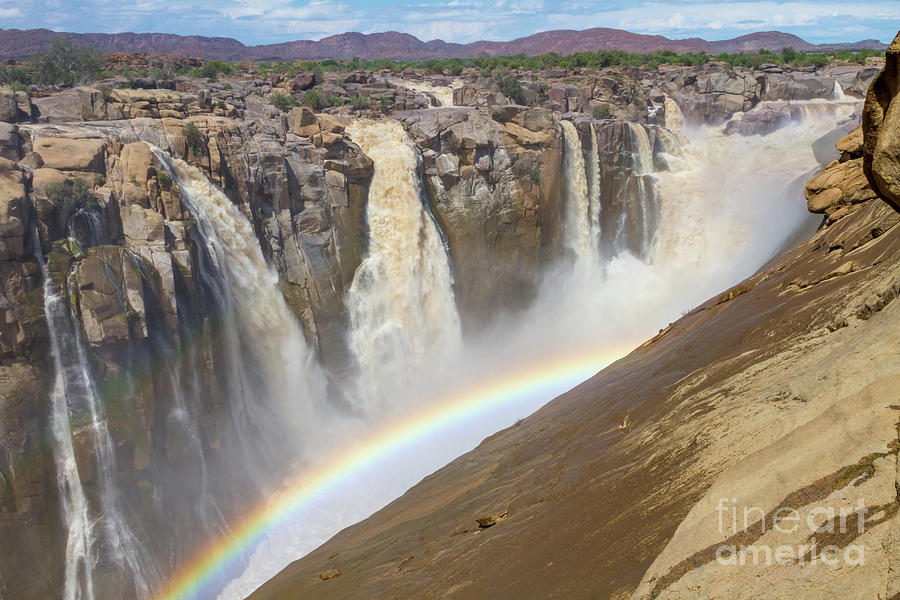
{"x": 72, "y": 155}
{"x": 45, "y": 176}
{"x": 330, "y": 124}
{"x": 13, "y": 211}
{"x": 142, "y": 226}
{"x": 881, "y": 129}
{"x": 851, "y": 145}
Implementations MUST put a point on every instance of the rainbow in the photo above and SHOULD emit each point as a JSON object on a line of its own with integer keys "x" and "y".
{"x": 197, "y": 578}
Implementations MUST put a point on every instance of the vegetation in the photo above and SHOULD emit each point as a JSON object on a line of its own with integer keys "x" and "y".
{"x": 283, "y": 102}
{"x": 512, "y": 89}
{"x": 360, "y": 102}
{"x": 316, "y": 100}
{"x": 71, "y": 195}
{"x": 193, "y": 137}
{"x": 535, "y": 177}
{"x": 602, "y": 111}
{"x": 11, "y": 75}
{"x": 213, "y": 68}
{"x": 66, "y": 64}
{"x": 499, "y": 66}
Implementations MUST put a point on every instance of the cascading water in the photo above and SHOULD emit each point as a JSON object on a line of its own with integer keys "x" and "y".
{"x": 578, "y": 202}
{"x": 596, "y": 206}
{"x": 674, "y": 116}
{"x": 74, "y": 391}
{"x": 274, "y": 386}
{"x": 401, "y": 302}
{"x": 838, "y": 92}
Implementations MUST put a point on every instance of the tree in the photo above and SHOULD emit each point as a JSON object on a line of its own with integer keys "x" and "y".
{"x": 67, "y": 64}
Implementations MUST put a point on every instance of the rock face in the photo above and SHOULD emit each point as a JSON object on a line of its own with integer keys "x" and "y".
{"x": 492, "y": 181}
{"x": 728, "y": 402}
{"x": 881, "y": 129}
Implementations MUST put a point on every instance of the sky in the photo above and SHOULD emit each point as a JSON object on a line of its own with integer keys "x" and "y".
{"x": 268, "y": 21}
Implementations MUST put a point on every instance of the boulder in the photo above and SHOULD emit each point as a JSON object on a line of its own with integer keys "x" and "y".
{"x": 881, "y": 129}
{"x": 10, "y": 147}
{"x": 851, "y": 145}
{"x": 86, "y": 155}
{"x": 303, "y": 81}
{"x": 840, "y": 184}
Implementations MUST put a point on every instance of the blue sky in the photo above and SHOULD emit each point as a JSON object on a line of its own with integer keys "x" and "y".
{"x": 263, "y": 21}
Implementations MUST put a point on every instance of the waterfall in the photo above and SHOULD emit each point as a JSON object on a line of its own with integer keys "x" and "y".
{"x": 74, "y": 391}
{"x": 401, "y": 302}
{"x": 595, "y": 203}
{"x": 577, "y": 204}
{"x": 674, "y": 116}
{"x": 838, "y": 92}
{"x": 272, "y": 382}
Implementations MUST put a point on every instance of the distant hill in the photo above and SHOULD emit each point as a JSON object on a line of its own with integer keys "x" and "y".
{"x": 22, "y": 44}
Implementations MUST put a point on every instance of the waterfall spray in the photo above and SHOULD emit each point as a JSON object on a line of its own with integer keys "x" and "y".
{"x": 274, "y": 386}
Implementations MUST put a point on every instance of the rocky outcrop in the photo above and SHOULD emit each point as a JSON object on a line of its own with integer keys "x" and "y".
{"x": 881, "y": 129}
{"x": 491, "y": 182}
{"x": 842, "y": 186}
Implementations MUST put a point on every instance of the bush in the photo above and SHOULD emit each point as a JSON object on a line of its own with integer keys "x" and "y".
{"x": 106, "y": 90}
{"x": 313, "y": 99}
{"x": 512, "y": 89}
{"x": 213, "y": 68}
{"x": 283, "y": 102}
{"x": 193, "y": 137}
{"x": 535, "y": 177}
{"x": 71, "y": 196}
{"x": 11, "y": 75}
{"x": 67, "y": 64}
{"x": 359, "y": 102}
{"x": 18, "y": 86}
{"x": 602, "y": 111}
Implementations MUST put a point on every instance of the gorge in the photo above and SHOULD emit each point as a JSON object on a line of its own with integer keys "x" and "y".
{"x": 260, "y": 327}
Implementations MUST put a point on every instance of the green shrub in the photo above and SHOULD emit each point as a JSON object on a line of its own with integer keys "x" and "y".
{"x": 10, "y": 74}
{"x": 221, "y": 105}
{"x": 535, "y": 177}
{"x": 359, "y": 102}
{"x": 193, "y": 137}
{"x": 213, "y": 68}
{"x": 71, "y": 195}
{"x": 602, "y": 111}
{"x": 512, "y": 89}
{"x": 18, "y": 86}
{"x": 313, "y": 99}
{"x": 67, "y": 64}
{"x": 283, "y": 102}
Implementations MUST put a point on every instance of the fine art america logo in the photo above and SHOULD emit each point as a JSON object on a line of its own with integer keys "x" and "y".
{"x": 819, "y": 529}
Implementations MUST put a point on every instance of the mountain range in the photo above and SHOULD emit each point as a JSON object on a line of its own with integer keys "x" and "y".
{"x": 20, "y": 44}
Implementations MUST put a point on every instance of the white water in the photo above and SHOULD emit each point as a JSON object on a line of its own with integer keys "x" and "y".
{"x": 577, "y": 198}
{"x": 674, "y": 116}
{"x": 78, "y": 582}
{"x": 276, "y": 387}
{"x": 74, "y": 390}
{"x": 401, "y": 303}
{"x": 442, "y": 93}
{"x": 596, "y": 207}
